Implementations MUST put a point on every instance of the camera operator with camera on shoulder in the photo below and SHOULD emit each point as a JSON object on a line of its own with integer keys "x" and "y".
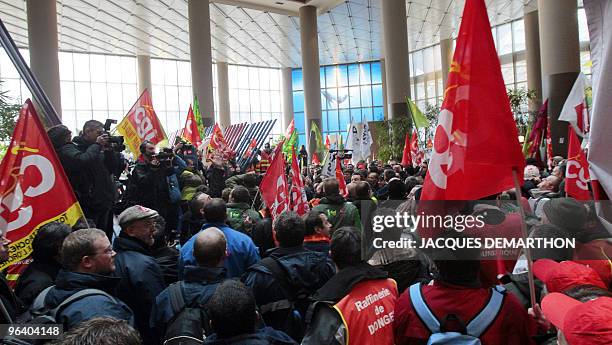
{"x": 89, "y": 161}
{"x": 154, "y": 182}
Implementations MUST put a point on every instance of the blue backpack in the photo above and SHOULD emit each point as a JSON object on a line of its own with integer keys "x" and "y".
{"x": 470, "y": 333}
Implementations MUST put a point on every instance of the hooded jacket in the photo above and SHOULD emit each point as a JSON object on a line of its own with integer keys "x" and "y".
{"x": 305, "y": 271}
{"x": 141, "y": 279}
{"x": 262, "y": 336}
{"x": 334, "y": 206}
{"x": 38, "y": 276}
{"x": 68, "y": 283}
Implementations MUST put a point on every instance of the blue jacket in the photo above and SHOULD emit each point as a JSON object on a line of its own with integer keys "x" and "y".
{"x": 68, "y": 283}
{"x": 241, "y": 252}
{"x": 263, "y": 336}
{"x": 306, "y": 272}
{"x": 199, "y": 285}
{"x": 141, "y": 280}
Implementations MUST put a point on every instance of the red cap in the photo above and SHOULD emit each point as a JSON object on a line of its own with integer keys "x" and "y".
{"x": 560, "y": 276}
{"x": 587, "y": 323}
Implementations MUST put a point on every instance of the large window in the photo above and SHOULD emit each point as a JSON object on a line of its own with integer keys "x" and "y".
{"x": 350, "y": 93}
{"x": 426, "y": 77}
{"x": 12, "y": 84}
{"x": 254, "y": 94}
{"x": 171, "y": 94}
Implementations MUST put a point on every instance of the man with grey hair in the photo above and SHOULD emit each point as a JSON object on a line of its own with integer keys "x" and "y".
{"x": 198, "y": 284}
{"x": 88, "y": 260}
{"x": 282, "y": 282}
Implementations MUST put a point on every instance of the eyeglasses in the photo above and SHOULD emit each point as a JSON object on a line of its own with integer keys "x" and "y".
{"x": 108, "y": 250}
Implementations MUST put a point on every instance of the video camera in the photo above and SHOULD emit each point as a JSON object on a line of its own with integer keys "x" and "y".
{"x": 165, "y": 157}
{"x": 116, "y": 142}
{"x": 343, "y": 154}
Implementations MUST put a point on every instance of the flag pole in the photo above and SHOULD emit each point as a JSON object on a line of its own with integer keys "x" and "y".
{"x": 527, "y": 251}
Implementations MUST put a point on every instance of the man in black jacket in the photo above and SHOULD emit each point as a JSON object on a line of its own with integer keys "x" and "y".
{"x": 141, "y": 277}
{"x": 41, "y": 272}
{"x": 290, "y": 272}
{"x": 199, "y": 282}
{"x": 89, "y": 161}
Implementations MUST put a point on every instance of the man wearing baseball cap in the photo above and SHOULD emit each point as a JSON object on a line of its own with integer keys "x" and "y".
{"x": 141, "y": 277}
{"x": 588, "y": 323}
{"x": 561, "y": 276}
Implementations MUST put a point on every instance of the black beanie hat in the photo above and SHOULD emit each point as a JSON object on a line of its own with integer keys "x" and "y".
{"x": 566, "y": 213}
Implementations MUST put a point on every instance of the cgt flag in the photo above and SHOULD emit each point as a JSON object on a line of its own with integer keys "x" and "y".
{"x": 273, "y": 187}
{"x": 299, "y": 202}
{"x": 406, "y": 157}
{"x": 577, "y": 169}
{"x": 141, "y": 123}
{"x": 34, "y": 189}
{"x": 476, "y": 134}
{"x": 417, "y": 155}
{"x": 190, "y": 132}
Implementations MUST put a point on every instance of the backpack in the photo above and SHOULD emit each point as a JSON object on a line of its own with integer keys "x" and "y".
{"x": 40, "y": 314}
{"x": 470, "y": 333}
{"x": 190, "y": 324}
{"x": 296, "y": 302}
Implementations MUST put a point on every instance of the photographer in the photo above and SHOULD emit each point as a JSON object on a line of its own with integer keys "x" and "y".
{"x": 154, "y": 183}
{"x": 89, "y": 160}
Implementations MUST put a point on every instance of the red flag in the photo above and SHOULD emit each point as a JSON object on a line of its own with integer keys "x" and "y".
{"x": 34, "y": 189}
{"x": 577, "y": 169}
{"x": 218, "y": 150}
{"x": 537, "y": 133}
{"x": 340, "y": 178}
{"x": 273, "y": 187}
{"x": 141, "y": 123}
{"x": 406, "y": 157}
{"x": 190, "y": 132}
{"x": 299, "y": 202}
{"x": 249, "y": 150}
{"x": 549, "y": 150}
{"x": 327, "y": 143}
{"x": 476, "y": 136}
{"x": 315, "y": 158}
{"x": 417, "y": 155}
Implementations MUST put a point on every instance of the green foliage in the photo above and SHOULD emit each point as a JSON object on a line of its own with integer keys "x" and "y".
{"x": 391, "y": 145}
{"x": 431, "y": 113}
{"x": 8, "y": 118}
{"x": 519, "y": 103}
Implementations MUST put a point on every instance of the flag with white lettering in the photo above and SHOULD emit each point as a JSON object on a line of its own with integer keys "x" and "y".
{"x": 141, "y": 123}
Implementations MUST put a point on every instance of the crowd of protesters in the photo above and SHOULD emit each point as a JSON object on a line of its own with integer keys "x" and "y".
{"x": 183, "y": 251}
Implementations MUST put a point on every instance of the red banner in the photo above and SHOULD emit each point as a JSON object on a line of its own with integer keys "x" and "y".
{"x": 273, "y": 187}
{"x": 476, "y": 135}
{"x": 406, "y": 157}
{"x": 340, "y": 178}
{"x": 34, "y": 189}
{"x": 417, "y": 155}
{"x": 577, "y": 169}
{"x": 190, "y": 132}
{"x": 299, "y": 202}
{"x": 140, "y": 124}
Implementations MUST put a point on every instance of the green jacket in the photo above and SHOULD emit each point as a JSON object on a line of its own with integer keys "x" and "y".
{"x": 339, "y": 212}
{"x": 241, "y": 217}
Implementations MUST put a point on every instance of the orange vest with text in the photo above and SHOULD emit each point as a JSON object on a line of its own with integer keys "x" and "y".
{"x": 367, "y": 312}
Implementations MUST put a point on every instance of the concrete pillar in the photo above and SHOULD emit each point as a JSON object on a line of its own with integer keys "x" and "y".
{"x": 395, "y": 43}
{"x": 287, "y": 97}
{"x": 144, "y": 73}
{"x": 532, "y": 52}
{"x": 310, "y": 71}
{"x": 42, "y": 42}
{"x": 560, "y": 54}
{"x": 223, "y": 91}
{"x": 446, "y": 56}
{"x": 383, "y": 72}
{"x": 201, "y": 58}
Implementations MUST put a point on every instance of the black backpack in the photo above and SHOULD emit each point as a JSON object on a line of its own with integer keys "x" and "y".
{"x": 295, "y": 304}
{"x": 190, "y": 324}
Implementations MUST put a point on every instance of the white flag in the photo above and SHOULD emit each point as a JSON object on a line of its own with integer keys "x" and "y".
{"x": 353, "y": 142}
{"x": 329, "y": 165}
{"x": 575, "y": 108}
{"x": 599, "y": 18}
{"x": 366, "y": 141}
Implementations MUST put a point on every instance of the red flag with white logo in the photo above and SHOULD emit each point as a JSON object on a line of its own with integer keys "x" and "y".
{"x": 299, "y": 202}
{"x": 577, "y": 169}
{"x": 340, "y": 178}
{"x": 406, "y": 157}
{"x": 34, "y": 189}
{"x": 273, "y": 187}
{"x": 476, "y": 136}
{"x": 190, "y": 132}
{"x": 417, "y": 155}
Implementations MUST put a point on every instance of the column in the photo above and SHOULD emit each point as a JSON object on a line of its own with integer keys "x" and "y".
{"x": 532, "y": 51}
{"x": 560, "y": 55}
{"x": 42, "y": 42}
{"x": 287, "y": 96}
{"x": 383, "y": 72}
{"x": 310, "y": 71}
{"x": 446, "y": 56}
{"x": 223, "y": 91}
{"x": 144, "y": 73}
{"x": 395, "y": 43}
{"x": 201, "y": 58}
